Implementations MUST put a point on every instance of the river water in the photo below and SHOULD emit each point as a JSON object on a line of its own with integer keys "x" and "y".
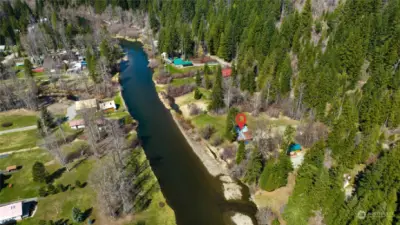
{"x": 194, "y": 195}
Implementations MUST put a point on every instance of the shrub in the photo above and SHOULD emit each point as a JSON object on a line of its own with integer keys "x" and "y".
{"x": 197, "y": 94}
{"x": 180, "y": 90}
{"x": 275, "y": 173}
{"x": 61, "y": 187}
{"x": 42, "y": 192}
{"x": 7, "y": 124}
{"x": 241, "y": 153}
{"x": 77, "y": 215}
{"x": 216, "y": 140}
{"x": 78, "y": 183}
{"x": 207, "y": 131}
{"x": 51, "y": 189}
{"x": 228, "y": 153}
{"x": 194, "y": 109}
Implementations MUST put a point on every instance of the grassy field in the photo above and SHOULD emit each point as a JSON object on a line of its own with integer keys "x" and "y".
{"x": 18, "y": 140}
{"x": 217, "y": 121}
{"x": 182, "y": 81}
{"x": 59, "y": 206}
{"x": 17, "y": 119}
{"x": 23, "y": 185}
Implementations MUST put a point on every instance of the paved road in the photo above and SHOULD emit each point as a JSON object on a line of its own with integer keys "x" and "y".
{"x": 18, "y": 129}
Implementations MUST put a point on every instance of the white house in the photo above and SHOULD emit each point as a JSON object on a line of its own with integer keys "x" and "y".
{"x": 2, "y": 48}
{"x": 11, "y": 212}
{"x": 108, "y": 106}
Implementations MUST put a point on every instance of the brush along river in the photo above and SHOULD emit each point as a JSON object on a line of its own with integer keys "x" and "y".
{"x": 196, "y": 194}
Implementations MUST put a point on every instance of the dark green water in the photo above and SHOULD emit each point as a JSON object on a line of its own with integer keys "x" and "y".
{"x": 195, "y": 195}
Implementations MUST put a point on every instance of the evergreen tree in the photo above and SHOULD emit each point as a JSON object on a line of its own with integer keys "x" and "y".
{"x": 217, "y": 94}
{"x": 197, "y": 93}
{"x": 198, "y": 79}
{"x": 223, "y": 50}
{"x": 39, "y": 172}
{"x": 234, "y": 75}
{"x": 254, "y": 167}
{"x": 241, "y": 153}
{"x": 47, "y": 118}
{"x": 77, "y": 215}
{"x": 251, "y": 82}
{"x": 230, "y": 127}
{"x": 288, "y": 137}
{"x": 207, "y": 82}
{"x": 28, "y": 68}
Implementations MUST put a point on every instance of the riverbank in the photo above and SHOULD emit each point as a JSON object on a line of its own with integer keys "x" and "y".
{"x": 232, "y": 190}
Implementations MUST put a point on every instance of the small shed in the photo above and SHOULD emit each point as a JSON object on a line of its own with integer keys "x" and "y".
{"x": 182, "y": 63}
{"x": 11, "y": 168}
{"x": 2, "y": 48}
{"x": 108, "y": 106}
{"x": 294, "y": 149}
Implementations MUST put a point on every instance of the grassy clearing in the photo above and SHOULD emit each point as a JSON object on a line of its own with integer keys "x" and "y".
{"x": 18, "y": 140}
{"x": 218, "y": 122}
{"x": 182, "y": 81}
{"x": 59, "y": 206}
{"x": 74, "y": 146}
{"x": 117, "y": 115}
{"x": 17, "y": 120}
{"x": 118, "y": 101}
{"x": 23, "y": 185}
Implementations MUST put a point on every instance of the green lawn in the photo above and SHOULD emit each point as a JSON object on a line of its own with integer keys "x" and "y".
{"x": 217, "y": 121}
{"x": 182, "y": 81}
{"x": 117, "y": 115}
{"x": 23, "y": 185}
{"x": 118, "y": 101}
{"x": 59, "y": 206}
{"x": 18, "y": 120}
{"x": 175, "y": 70}
{"x": 18, "y": 140}
{"x": 74, "y": 146}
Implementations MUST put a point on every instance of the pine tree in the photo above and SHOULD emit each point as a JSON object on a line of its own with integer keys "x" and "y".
{"x": 217, "y": 94}
{"x": 197, "y": 93}
{"x": 230, "y": 127}
{"x": 198, "y": 79}
{"x": 241, "y": 153}
{"x": 288, "y": 137}
{"x": 251, "y": 82}
{"x": 28, "y": 68}
{"x": 47, "y": 118}
{"x": 223, "y": 50}
{"x": 254, "y": 167}
{"x": 77, "y": 215}
{"x": 39, "y": 172}
{"x": 207, "y": 82}
{"x": 234, "y": 75}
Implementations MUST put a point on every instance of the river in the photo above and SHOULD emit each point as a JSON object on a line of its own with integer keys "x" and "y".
{"x": 195, "y": 195}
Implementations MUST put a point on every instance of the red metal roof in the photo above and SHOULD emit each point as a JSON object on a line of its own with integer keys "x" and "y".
{"x": 226, "y": 72}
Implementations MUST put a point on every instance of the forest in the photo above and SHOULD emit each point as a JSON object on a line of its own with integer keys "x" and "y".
{"x": 335, "y": 63}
